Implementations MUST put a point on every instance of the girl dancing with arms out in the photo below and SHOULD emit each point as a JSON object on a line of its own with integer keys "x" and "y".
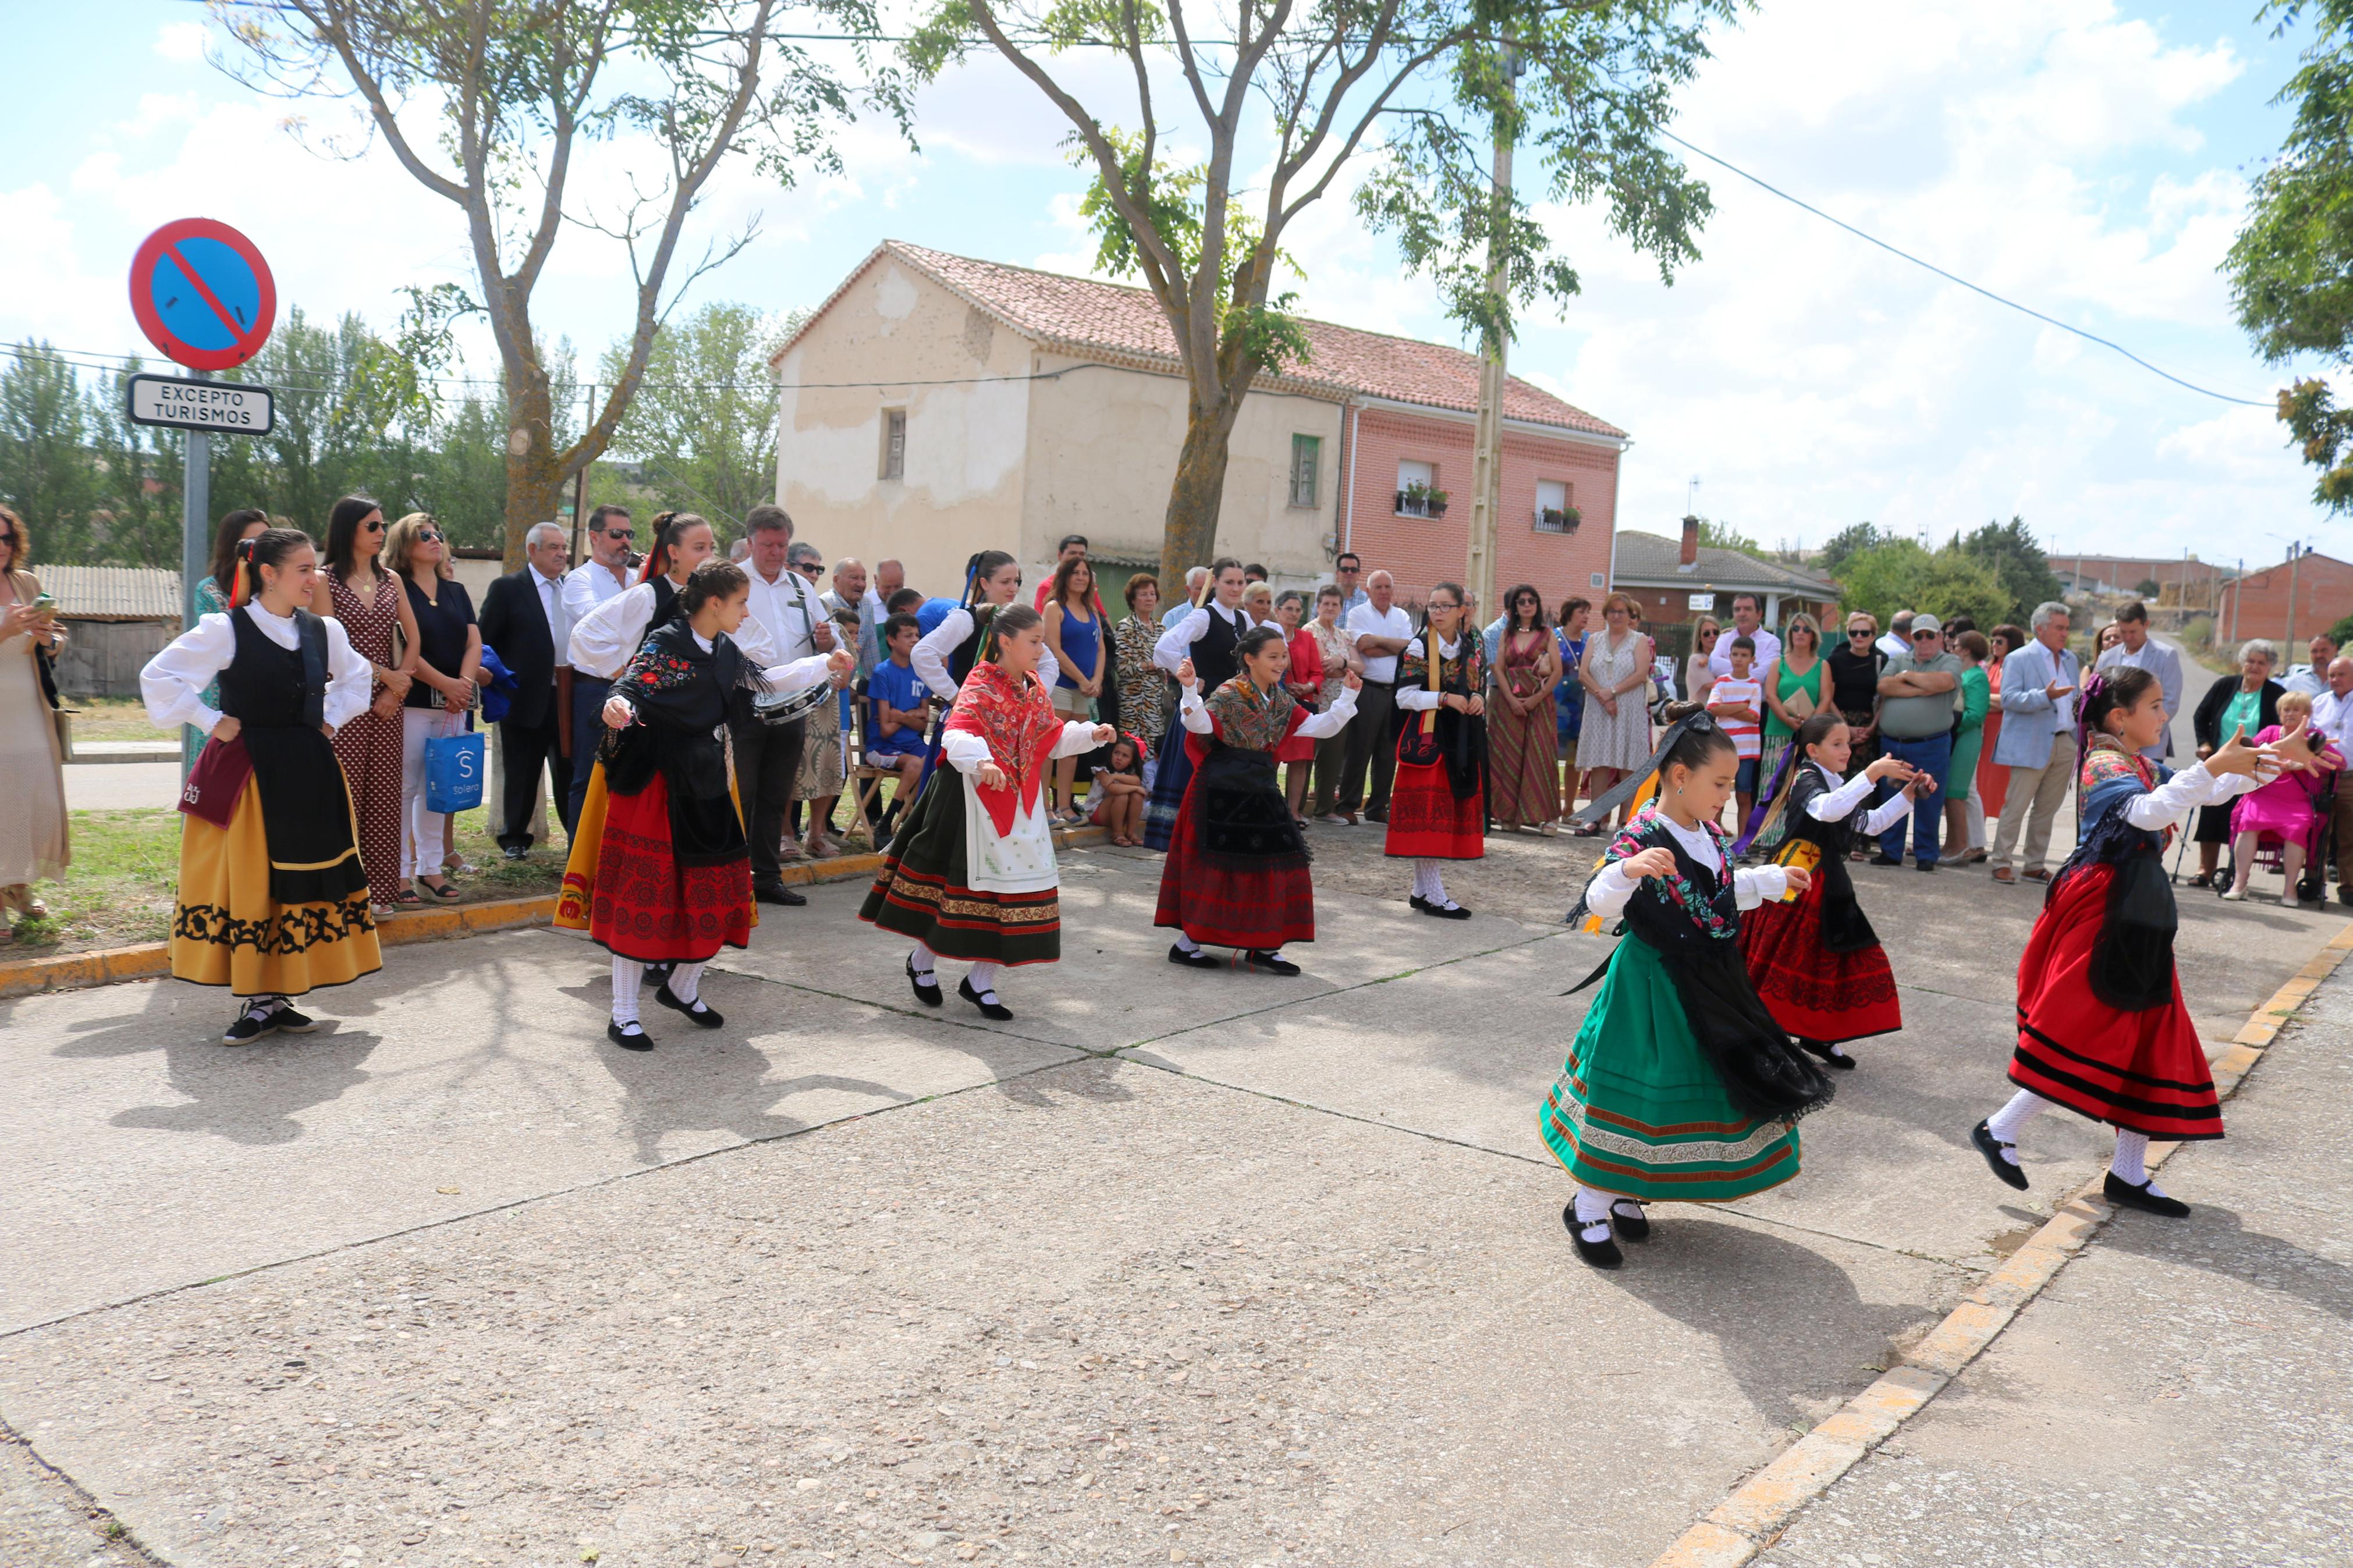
{"x": 1236, "y": 874}
{"x": 1815, "y": 959}
{"x": 1680, "y": 1084}
{"x": 972, "y": 874}
{"x": 1438, "y": 808}
{"x": 2102, "y": 1029}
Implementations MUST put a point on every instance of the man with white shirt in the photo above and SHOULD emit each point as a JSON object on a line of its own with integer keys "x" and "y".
{"x": 1381, "y": 630}
{"x": 1194, "y": 577}
{"x": 2312, "y": 679}
{"x": 1898, "y": 640}
{"x": 1747, "y": 621}
{"x": 769, "y": 756}
{"x": 2138, "y": 650}
{"x": 603, "y": 576}
{"x": 522, "y": 619}
{"x": 2332, "y": 715}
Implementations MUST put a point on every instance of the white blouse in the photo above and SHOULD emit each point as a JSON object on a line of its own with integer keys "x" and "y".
{"x": 967, "y": 752}
{"x": 2174, "y": 799}
{"x": 1314, "y": 727}
{"x": 609, "y": 636}
{"x": 173, "y": 684}
{"x": 1419, "y": 697}
{"x": 1840, "y": 802}
{"x": 1175, "y": 644}
{"x": 933, "y": 650}
{"x": 1611, "y": 889}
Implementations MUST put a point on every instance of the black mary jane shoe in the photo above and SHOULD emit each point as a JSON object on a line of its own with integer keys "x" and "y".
{"x": 2124, "y": 1194}
{"x": 1196, "y": 959}
{"x": 1448, "y": 911}
{"x": 996, "y": 1012}
{"x": 629, "y": 1037}
{"x": 2005, "y": 1170}
{"x": 1602, "y": 1254}
{"x": 707, "y": 1016}
{"x": 928, "y": 990}
{"x": 1829, "y": 1054}
{"x": 1627, "y": 1219}
{"x": 1416, "y": 901}
{"x": 1255, "y": 959}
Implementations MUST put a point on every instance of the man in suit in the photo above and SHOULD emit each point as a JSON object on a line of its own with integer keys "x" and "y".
{"x": 522, "y": 617}
{"x": 2038, "y": 741}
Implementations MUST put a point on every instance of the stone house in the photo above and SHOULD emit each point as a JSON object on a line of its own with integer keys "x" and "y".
{"x": 936, "y": 404}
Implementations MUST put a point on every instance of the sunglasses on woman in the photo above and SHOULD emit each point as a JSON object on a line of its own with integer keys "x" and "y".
{"x": 428, "y": 537}
{"x": 1858, "y": 631}
{"x": 373, "y": 525}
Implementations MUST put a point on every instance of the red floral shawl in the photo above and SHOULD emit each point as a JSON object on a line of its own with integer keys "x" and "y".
{"x": 1021, "y": 726}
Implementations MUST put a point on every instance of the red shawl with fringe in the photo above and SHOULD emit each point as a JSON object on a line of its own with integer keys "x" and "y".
{"x": 1021, "y": 726}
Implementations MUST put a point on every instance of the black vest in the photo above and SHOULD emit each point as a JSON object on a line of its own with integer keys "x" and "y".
{"x": 267, "y": 687}
{"x": 665, "y": 608}
{"x": 1213, "y": 651}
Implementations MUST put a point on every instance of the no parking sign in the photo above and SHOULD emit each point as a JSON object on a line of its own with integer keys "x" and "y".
{"x": 203, "y": 294}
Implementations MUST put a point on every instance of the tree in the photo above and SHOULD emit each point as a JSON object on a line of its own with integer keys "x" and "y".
{"x": 45, "y": 473}
{"x": 140, "y": 470}
{"x": 1843, "y": 545}
{"x": 1724, "y": 536}
{"x": 2148, "y": 588}
{"x": 704, "y": 419}
{"x": 2291, "y": 267}
{"x": 1204, "y": 228}
{"x": 2018, "y": 565}
{"x": 486, "y": 103}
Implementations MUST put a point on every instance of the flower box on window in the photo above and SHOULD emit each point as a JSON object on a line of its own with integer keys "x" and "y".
{"x": 1419, "y": 499}
{"x": 1558, "y": 519}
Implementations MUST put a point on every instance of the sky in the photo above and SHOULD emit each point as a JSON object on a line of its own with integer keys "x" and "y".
{"x": 2087, "y": 158}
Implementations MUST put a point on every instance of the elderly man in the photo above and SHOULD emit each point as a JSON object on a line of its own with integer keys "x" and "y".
{"x": 2138, "y": 650}
{"x": 769, "y": 756}
{"x": 1176, "y": 610}
{"x": 1919, "y": 693}
{"x": 1380, "y": 630}
{"x": 2312, "y": 679}
{"x": 850, "y": 592}
{"x": 522, "y": 617}
{"x": 1747, "y": 621}
{"x": 604, "y": 576}
{"x": 1898, "y": 640}
{"x": 2038, "y": 741}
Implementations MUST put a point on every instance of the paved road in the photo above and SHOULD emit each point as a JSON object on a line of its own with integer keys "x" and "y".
{"x": 1176, "y": 1265}
{"x": 121, "y": 786}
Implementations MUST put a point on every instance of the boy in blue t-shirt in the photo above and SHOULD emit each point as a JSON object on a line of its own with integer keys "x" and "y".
{"x": 899, "y": 708}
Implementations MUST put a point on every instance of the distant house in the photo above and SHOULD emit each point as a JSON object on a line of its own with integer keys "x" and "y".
{"x": 116, "y": 619}
{"x": 2287, "y": 603}
{"x": 1677, "y": 581}
{"x": 936, "y": 404}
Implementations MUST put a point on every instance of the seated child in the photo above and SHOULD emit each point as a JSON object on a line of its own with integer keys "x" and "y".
{"x": 899, "y": 708}
{"x": 1119, "y": 792}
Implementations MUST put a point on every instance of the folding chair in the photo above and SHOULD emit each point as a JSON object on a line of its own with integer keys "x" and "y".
{"x": 865, "y": 778}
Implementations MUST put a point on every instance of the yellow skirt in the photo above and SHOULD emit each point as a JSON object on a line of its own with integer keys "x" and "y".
{"x": 579, "y": 892}
{"x": 227, "y": 931}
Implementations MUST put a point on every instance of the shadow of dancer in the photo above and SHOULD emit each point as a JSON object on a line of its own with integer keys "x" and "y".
{"x": 254, "y": 1094}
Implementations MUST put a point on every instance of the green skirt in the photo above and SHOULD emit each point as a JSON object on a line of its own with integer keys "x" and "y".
{"x": 1961, "y": 775}
{"x": 1639, "y": 1112}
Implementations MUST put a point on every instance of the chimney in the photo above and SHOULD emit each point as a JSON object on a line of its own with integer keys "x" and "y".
{"x": 1689, "y": 555}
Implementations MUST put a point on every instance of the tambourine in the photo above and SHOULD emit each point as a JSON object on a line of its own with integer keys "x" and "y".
{"x": 791, "y": 707}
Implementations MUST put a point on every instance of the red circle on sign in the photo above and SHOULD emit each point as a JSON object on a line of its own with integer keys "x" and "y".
{"x": 161, "y": 249}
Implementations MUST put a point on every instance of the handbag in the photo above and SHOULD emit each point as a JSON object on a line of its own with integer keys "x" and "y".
{"x": 454, "y": 768}
{"x": 217, "y": 782}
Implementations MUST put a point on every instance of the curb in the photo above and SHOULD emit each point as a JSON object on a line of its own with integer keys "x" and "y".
{"x": 152, "y": 959}
{"x": 1752, "y": 1518}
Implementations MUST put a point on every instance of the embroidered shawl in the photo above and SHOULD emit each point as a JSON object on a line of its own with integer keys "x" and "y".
{"x": 1021, "y": 726}
{"x": 1253, "y": 721}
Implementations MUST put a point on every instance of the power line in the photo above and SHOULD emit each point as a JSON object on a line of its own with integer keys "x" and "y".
{"x": 1951, "y": 277}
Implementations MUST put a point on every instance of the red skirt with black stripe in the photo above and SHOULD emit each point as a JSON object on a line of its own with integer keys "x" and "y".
{"x": 646, "y": 906}
{"x": 2143, "y": 1071}
{"x": 1261, "y": 908}
{"x": 1811, "y": 991}
{"x": 1428, "y": 821}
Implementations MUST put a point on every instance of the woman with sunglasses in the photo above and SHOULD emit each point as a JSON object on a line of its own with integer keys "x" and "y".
{"x": 354, "y": 589}
{"x": 1520, "y": 725}
{"x": 1855, "y": 667}
{"x": 449, "y": 670}
{"x": 1697, "y": 675}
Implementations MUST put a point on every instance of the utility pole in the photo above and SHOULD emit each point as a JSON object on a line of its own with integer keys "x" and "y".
{"x": 2294, "y": 570}
{"x": 1487, "y": 452}
{"x": 195, "y": 549}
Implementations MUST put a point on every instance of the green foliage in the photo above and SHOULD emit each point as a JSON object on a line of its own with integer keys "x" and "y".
{"x": 2018, "y": 566}
{"x": 2148, "y": 588}
{"x": 704, "y": 423}
{"x": 1845, "y": 543}
{"x": 2341, "y": 634}
{"x": 1993, "y": 576}
{"x": 1724, "y": 536}
{"x": 44, "y": 431}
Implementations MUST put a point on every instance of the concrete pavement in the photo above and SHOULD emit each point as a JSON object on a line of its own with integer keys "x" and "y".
{"x": 1214, "y": 1264}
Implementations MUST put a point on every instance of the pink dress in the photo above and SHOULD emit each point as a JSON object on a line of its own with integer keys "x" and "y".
{"x": 2290, "y": 807}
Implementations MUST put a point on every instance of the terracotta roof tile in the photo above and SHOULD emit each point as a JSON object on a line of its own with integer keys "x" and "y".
{"x": 1088, "y": 314}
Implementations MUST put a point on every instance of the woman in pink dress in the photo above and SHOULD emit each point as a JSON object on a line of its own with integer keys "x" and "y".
{"x": 2287, "y": 811}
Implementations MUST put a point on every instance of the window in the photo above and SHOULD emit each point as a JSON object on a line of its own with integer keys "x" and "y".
{"x": 1306, "y": 455}
{"x": 1417, "y": 494}
{"x": 1556, "y": 513}
{"x": 894, "y": 443}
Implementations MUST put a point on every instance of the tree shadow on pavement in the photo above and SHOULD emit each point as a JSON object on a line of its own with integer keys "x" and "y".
{"x": 252, "y": 1094}
{"x": 1789, "y": 1321}
{"x": 2217, "y": 1241}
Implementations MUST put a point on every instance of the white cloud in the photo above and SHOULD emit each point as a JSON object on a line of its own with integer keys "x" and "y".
{"x": 181, "y": 42}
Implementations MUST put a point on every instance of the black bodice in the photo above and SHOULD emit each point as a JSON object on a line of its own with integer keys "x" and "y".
{"x": 1214, "y": 659}
{"x": 267, "y": 687}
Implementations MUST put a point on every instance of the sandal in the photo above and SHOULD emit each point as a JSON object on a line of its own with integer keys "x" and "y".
{"x": 462, "y": 866}
{"x": 444, "y": 891}
{"x": 405, "y": 896}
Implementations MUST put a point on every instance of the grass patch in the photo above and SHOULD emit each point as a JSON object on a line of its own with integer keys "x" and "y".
{"x": 114, "y": 718}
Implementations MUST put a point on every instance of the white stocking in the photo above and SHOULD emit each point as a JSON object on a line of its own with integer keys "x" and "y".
{"x": 1592, "y": 1214}
{"x": 2010, "y": 1120}
{"x": 983, "y": 980}
{"x": 686, "y": 983}
{"x": 1187, "y": 944}
{"x": 1433, "y": 884}
{"x": 2131, "y": 1164}
{"x": 628, "y": 977}
{"x": 922, "y": 959}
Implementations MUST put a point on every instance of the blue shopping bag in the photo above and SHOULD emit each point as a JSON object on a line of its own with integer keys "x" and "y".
{"x": 454, "y": 768}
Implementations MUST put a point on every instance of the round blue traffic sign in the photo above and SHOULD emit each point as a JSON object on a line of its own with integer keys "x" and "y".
{"x": 203, "y": 294}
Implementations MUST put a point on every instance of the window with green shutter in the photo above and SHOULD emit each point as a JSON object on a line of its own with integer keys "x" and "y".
{"x": 1307, "y": 454}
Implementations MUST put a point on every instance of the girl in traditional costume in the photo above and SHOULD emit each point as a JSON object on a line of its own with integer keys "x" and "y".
{"x": 1438, "y": 811}
{"x": 1814, "y": 959}
{"x": 661, "y": 874}
{"x": 946, "y": 654}
{"x": 1680, "y": 1084}
{"x": 971, "y": 875}
{"x": 1236, "y": 874}
{"x": 273, "y": 898}
{"x": 2102, "y": 1029}
{"x": 1207, "y": 635}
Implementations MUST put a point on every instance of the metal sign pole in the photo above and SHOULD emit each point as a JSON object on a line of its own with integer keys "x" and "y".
{"x": 195, "y": 549}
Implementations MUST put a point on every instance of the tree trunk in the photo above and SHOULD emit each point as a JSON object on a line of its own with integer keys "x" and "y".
{"x": 1189, "y": 536}
{"x": 534, "y": 476}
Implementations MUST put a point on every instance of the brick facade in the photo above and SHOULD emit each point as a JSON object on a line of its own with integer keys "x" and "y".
{"x": 2256, "y": 605}
{"x": 1422, "y": 551}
